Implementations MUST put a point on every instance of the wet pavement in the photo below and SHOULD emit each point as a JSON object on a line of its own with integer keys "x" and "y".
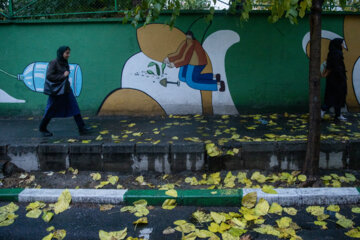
{"x": 220, "y": 129}
{"x": 83, "y": 222}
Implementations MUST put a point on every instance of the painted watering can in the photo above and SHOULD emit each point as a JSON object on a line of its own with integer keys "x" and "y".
{"x": 34, "y": 77}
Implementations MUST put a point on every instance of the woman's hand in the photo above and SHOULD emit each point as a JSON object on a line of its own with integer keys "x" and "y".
{"x": 66, "y": 73}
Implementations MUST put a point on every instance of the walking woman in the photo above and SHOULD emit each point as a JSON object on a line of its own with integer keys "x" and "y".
{"x": 61, "y": 102}
{"x": 336, "y": 88}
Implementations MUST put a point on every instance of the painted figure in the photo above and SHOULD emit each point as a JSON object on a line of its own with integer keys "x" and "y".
{"x": 191, "y": 58}
{"x": 336, "y": 87}
{"x": 61, "y": 102}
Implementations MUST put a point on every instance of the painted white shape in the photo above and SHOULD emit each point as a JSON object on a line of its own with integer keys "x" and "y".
{"x": 111, "y": 196}
{"x": 167, "y": 166}
{"x": 200, "y": 161}
{"x": 273, "y": 161}
{"x": 27, "y": 161}
{"x": 356, "y": 80}
{"x": 174, "y": 99}
{"x": 332, "y": 160}
{"x": 6, "y": 98}
{"x": 140, "y": 163}
{"x": 188, "y": 162}
{"x": 158, "y": 164}
{"x": 324, "y": 34}
{"x": 216, "y": 45}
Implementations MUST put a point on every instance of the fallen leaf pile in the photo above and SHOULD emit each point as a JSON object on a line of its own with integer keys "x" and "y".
{"x": 7, "y": 214}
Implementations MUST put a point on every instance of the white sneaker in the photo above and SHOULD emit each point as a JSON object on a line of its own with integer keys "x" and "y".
{"x": 322, "y": 113}
{"x": 342, "y": 118}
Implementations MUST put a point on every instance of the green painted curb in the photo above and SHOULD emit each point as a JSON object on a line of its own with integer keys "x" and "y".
{"x": 10, "y": 194}
{"x": 196, "y": 197}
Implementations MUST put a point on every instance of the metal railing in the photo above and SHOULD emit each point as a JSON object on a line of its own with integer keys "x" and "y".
{"x": 61, "y": 9}
{"x": 16, "y": 9}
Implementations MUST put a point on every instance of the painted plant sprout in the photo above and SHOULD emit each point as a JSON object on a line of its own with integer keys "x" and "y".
{"x": 158, "y": 74}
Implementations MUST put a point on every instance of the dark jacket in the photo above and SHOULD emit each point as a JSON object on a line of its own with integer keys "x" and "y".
{"x": 336, "y": 86}
{"x": 56, "y": 83}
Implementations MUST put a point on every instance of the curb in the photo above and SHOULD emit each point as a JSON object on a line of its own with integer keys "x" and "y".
{"x": 196, "y": 197}
{"x": 178, "y": 156}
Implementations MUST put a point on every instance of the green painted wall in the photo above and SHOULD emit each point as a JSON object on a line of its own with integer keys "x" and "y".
{"x": 267, "y": 70}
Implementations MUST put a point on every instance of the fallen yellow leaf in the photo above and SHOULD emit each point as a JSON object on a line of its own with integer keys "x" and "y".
{"x": 262, "y": 207}
{"x": 142, "y": 220}
{"x": 63, "y": 202}
{"x": 169, "y": 204}
{"x": 249, "y": 200}
{"x": 119, "y": 235}
{"x": 172, "y": 193}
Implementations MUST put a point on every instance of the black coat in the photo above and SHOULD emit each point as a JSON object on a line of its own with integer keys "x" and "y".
{"x": 336, "y": 86}
{"x": 56, "y": 83}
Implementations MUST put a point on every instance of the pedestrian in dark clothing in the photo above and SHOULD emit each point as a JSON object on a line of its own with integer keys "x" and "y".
{"x": 61, "y": 102}
{"x": 336, "y": 87}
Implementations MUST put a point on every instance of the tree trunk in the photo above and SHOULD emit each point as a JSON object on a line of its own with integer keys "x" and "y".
{"x": 311, "y": 164}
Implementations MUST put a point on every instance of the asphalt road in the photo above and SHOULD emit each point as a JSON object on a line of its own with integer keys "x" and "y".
{"x": 83, "y": 221}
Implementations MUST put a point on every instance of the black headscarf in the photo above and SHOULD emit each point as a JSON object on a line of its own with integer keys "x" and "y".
{"x": 335, "y": 58}
{"x": 335, "y": 49}
{"x": 60, "y": 56}
{"x": 335, "y": 44}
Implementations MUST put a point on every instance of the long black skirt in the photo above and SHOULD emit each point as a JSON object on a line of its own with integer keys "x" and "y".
{"x": 62, "y": 106}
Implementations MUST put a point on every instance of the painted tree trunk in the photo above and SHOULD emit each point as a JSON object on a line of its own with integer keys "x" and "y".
{"x": 311, "y": 164}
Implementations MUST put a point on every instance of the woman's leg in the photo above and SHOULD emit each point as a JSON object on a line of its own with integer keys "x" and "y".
{"x": 79, "y": 121}
{"x": 43, "y": 126}
{"x": 83, "y": 129}
{"x": 44, "y": 122}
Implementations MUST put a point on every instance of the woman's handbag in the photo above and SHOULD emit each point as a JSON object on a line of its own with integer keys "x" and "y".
{"x": 56, "y": 88}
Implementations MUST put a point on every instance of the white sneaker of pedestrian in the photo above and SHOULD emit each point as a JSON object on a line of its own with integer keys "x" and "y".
{"x": 342, "y": 118}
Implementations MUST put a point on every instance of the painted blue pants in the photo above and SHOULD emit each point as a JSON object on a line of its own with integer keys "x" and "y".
{"x": 192, "y": 76}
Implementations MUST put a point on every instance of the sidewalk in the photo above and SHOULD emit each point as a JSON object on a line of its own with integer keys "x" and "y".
{"x": 178, "y": 143}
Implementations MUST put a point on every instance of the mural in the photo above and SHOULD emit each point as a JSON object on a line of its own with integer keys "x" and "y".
{"x": 34, "y": 76}
{"x": 174, "y": 74}
{"x": 194, "y": 68}
{"x": 351, "y": 57}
